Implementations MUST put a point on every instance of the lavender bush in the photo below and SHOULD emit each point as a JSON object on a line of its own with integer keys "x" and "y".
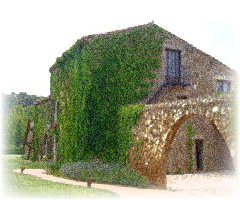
{"x": 115, "y": 174}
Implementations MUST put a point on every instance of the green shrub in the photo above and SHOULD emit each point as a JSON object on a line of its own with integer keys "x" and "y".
{"x": 54, "y": 166}
{"x": 115, "y": 174}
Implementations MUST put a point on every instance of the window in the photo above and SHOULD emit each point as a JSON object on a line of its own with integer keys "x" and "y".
{"x": 223, "y": 86}
{"x": 172, "y": 65}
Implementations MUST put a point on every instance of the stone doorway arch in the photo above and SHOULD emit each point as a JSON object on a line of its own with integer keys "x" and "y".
{"x": 153, "y": 134}
{"x": 209, "y": 149}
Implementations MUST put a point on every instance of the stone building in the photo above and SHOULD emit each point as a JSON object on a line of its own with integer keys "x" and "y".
{"x": 185, "y": 71}
{"x": 185, "y": 74}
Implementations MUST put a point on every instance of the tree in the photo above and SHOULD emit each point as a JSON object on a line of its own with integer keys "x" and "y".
{"x": 13, "y": 99}
{"x": 15, "y": 126}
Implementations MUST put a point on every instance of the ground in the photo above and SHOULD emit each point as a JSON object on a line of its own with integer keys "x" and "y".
{"x": 36, "y": 182}
{"x": 16, "y": 185}
{"x": 212, "y": 184}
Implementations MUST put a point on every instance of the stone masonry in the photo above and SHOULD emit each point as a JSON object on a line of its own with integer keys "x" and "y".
{"x": 200, "y": 70}
{"x": 158, "y": 123}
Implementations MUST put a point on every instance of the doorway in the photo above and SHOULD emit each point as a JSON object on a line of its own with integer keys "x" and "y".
{"x": 199, "y": 154}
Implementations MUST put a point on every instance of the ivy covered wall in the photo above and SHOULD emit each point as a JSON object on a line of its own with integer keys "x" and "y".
{"x": 43, "y": 115}
{"x": 99, "y": 82}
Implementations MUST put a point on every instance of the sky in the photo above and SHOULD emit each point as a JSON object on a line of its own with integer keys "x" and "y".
{"x": 34, "y": 33}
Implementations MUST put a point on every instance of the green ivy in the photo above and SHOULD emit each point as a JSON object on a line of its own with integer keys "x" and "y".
{"x": 139, "y": 145}
{"x": 35, "y": 133}
{"x": 94, "y": 82}
{"x": 189, "y": 144}
{"x": 41, "y": 119}
{"x": 179, "y": 170}
{"x": 128, "y": 116}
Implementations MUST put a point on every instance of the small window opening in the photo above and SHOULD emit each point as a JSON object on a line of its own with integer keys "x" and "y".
{"x": 223, "y": 86}
{"x": 182, "y": 97}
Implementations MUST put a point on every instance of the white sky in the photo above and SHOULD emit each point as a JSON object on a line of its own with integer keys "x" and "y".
{"x": 34, "y": 33}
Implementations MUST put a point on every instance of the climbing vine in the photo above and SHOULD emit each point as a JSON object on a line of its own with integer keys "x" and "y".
{"x": 41, "y": 118}
{"x": 189, "y": 144}
{"x": 98, "y": 81}
{"x": 34, "y": 142}
{"x": 128, "y": 116}
{"x": 138, "y": 147}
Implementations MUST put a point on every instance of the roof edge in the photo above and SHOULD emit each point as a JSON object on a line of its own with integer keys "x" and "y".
{"x": 53, "y": 68}
{"x": 90, "y": 37}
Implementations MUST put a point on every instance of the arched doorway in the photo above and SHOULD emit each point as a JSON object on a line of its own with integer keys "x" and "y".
{"x": 159, "y": 124}
{"x": 208, "y": 148}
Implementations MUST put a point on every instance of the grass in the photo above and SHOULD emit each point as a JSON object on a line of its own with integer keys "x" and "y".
{"x": 23, "y": 185}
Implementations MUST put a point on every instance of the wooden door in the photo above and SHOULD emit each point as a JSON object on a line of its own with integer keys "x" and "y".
{"x": 199, "y": 154}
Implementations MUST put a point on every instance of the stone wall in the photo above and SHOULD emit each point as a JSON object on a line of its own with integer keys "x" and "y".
{"x": 159, "y": 123}
{"x": 202, "y": 71}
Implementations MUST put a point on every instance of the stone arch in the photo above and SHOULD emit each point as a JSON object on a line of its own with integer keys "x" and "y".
{"x": 162, "y": 180}
{"x": 215, "y": 150}
{"x": 158, "y": 124}
{"x": 162, "y": 172}
{"x": 170, "y": 137}
{"x": 47, "y": 146}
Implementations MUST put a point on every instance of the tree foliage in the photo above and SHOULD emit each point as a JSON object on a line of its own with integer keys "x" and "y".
{"x": 16, "y": 109}
{"x": 14, "y": 130}
{"x": 9, "y": 101}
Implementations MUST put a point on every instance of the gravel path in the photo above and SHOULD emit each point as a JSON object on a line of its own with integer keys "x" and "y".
{"x": 221, "y": 184}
